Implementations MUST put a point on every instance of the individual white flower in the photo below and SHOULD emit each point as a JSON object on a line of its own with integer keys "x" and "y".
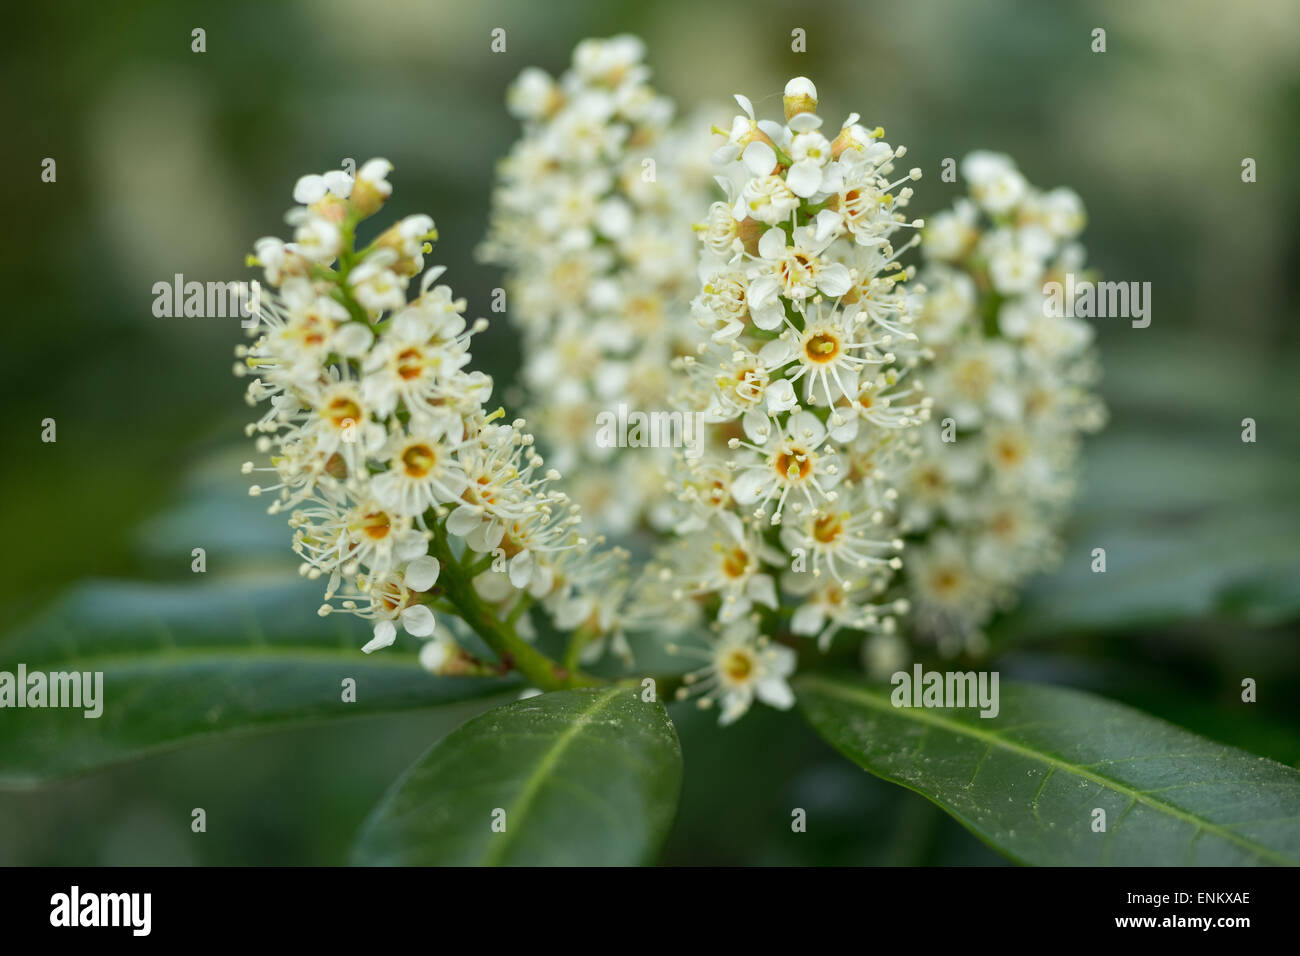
{"x": 376, "y": 286}
{"x": 845, "y": 542}
{"x": 314, "y": 237}
{"x": 950, "y": 234}
{"x": 996, "y": 184}
{"x": 742, "y": 667}
{"x": 533, "y": 95}
{"x": 339, "y": 537}
{"x": 811, "y": 153}
{"x": 831, "y": 351}
{"x": 790, "y": 458}
{"x": 766, "y": 199}
{"x": 829, "y": 606}
{"x": 388, "y": 600}
{"x": 793, "y": 271}
{"x": 724, "y": 560}
{"x": 423, "y": 472}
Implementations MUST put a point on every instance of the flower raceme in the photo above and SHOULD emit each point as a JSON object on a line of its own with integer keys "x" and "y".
{"x": 984, "y": 502}
{"x": 591, "y": 220}
{"x": 404, "y": 493}
{"x": 804, "y": 368}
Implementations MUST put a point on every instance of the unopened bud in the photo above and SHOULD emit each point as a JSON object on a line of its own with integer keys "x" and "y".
{"x": 800, "y": 97}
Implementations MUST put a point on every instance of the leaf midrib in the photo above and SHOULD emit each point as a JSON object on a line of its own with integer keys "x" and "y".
{"x": 993, "y": 739}
{"x": 533, "y": 784}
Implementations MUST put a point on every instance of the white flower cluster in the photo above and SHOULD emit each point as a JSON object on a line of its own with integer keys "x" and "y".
{"x": 382, "y": 452}
{"x": 804, "y": 377}
{"x": 1011, "y": 385}
{"x": 591, "y": 218}
{"x": 787, "y": 324}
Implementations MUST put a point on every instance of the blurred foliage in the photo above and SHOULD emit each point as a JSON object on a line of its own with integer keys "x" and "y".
{"x": 173, "y": 162}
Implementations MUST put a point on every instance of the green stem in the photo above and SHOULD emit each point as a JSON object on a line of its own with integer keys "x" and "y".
{"x": 573, "y": 650}
{"x": 511, "y": 649}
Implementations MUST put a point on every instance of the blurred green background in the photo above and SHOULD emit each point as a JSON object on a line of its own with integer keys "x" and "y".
{"x": 170, "y": 161}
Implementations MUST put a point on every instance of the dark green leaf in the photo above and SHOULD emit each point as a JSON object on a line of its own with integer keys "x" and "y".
{"x": 1029, "y": 780}
{"x": 584, "y": 777}
{"x": 181, "y": 662}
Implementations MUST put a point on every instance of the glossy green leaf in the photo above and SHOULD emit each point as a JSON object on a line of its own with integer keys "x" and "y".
{"x": 576, "y": 777}
{"x": 186, "y": 661}
{"x": 1028, "y": 781}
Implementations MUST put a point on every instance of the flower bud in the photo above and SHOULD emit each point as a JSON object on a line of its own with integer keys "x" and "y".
{"x": 372, "y": 187}
{"x": 800, "y": 97}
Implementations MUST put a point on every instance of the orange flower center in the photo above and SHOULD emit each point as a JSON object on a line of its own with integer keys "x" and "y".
{"x": 738, "y": 665}
{"x": 418, "y": 460}
{"x": 793, "y": 464}
{"x": 827, "y": 528}
{"x": 342, "y": 411}
{"x": 735, "y": 563}
{"x": 821, "y": 348}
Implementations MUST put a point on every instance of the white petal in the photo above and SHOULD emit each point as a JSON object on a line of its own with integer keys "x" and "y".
{"x": 771, "y": 246}
{"x": 782, "y": 659}
{"x": 724, "y": 154}
{"x": 353, "y": 339}
{"x": 834, "y": 279}
{"x": 801, "y": 86}
{"x": 339, "y": 183}
{"x": 521, "y": 568}
{"x": 827, "y": 224}
{"x": 308, "y": 189}
{"x": 805, "y": 122}
{"x": 732, "y": 524}
{"x": 463, "y": 520}
{"x": 847, "y": 431}
{"x": 775, "y": 353}
{"x": 745, "y": 105}
{"x": 775, "y": 131}
{"x": 431, "y": 276}
{"x": 385, "y": 634}
{"x": 734, "y": 705}
{"x": 780, "y": 396}
{"x": 804, "y": 426}
{"x": 418, "y": 620}
{"x": 758, "y": 427}
{"x": 804, "y": 178}
{"x": 749, "y": 485}
{"x": 807, "y": 619}
{"x": 759, "y": 158}
{"x": 768, "y": 315}
{"x": 762, "y": 590}
{"x": 422, "y": 573}
{"x": 432, "y": 656}
{"x": 375, "y": 169}
{"x": 492, "y": 586}
{"x": 411, "y": 546}
{"x": 775, "y": 692}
